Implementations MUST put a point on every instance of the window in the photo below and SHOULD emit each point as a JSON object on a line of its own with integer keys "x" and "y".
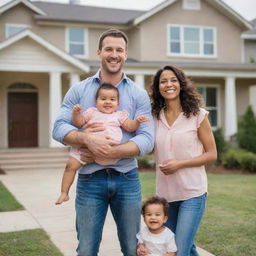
{"x": 12, "y": 29}
{"x": 210, "y": 102}
{"x": 191, "y": 4}
{"x": 77, "y": 41}
{"x": 191, "y": 41}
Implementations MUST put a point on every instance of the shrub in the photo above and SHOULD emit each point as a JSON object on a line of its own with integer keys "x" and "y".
{"x": 239, "y": 159}
{"x": 221, "y": 144}
{"x": 146, "y": 161}
{"x": 246, "y": 135}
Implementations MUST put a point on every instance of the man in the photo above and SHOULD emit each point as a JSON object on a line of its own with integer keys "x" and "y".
{"x": 117, "y": 185}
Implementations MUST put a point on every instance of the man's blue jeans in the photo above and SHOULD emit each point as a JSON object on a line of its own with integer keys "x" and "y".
{"x": 184, "y": 219}
{"x": 97, "y": 191}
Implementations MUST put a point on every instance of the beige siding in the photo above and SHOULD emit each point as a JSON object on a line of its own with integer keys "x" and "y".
{"x": 242, "y": 94}
{"x": 154, "y": 33}
{"x": 17, "y": 15}
{"x": 28, "y": 54}
{"x": 134, "y": 44}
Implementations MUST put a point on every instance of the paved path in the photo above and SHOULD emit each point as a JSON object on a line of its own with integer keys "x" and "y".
{"x": 37, "y": 191}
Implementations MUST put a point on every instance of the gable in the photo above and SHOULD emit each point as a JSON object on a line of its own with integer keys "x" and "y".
{"x": 27, "y": 55}
{"x": 27, "y": 51}
{"x": 223, "y": 8}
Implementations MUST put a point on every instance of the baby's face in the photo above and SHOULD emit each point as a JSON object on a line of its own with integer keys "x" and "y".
{"x": 107, "y": 101}
{"x": 155, "y": 218}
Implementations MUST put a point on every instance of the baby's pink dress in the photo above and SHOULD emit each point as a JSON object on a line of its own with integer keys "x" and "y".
{"x": 180, "y": 141}
{"x": 111, "y": 122}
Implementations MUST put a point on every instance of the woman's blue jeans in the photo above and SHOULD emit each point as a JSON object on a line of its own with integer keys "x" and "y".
{"x": 97, "y": 191}
{"x": 184, "y": 219}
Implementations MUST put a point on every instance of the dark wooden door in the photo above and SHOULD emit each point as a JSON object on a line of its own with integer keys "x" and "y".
{"x": 22, "y": 119}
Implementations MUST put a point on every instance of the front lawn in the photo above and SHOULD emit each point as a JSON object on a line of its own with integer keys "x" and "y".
{"x": 229, "y": 224}
{"x": 8, "y": 201}
{"x": 27, "y": 243}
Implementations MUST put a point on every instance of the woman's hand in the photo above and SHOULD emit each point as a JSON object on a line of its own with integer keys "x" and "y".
{"x": 170, "y": 166}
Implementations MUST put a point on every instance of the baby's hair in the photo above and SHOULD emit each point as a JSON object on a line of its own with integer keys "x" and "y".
{"x": 107, "y": 86}
{"x": 155, "y": 200}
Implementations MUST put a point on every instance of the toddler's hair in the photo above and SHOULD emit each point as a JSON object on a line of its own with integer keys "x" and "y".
{"x": 107, "y": 86}
{"x": 155, "y": 200}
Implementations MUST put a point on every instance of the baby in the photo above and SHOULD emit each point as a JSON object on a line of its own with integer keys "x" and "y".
{"x": 107, "y": 102}
{"x": 155, "y": 239}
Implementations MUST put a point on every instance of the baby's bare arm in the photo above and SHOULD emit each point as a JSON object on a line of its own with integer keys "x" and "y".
{"x": 132, "y": 125}
{"x": 77, "y": 117}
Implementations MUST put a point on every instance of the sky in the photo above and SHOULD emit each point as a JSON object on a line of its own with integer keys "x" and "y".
{"x": 246, "y": 8}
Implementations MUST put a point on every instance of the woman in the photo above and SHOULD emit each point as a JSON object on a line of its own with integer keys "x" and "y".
{"x": 184, "y": 144}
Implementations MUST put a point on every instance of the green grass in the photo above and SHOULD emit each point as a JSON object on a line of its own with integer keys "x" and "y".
{"x": 29, "y": 243}
{"x": 8, "y": 201}
{"x": 229, "y": 225}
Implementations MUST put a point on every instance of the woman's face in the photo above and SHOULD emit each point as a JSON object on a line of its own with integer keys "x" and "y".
{"x": 169, "y": 85}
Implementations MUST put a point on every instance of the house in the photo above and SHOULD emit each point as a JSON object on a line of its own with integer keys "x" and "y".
{"x": 46, "y": 47}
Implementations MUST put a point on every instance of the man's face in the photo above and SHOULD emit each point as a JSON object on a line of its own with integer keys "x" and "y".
{"x": 113, "y": 54}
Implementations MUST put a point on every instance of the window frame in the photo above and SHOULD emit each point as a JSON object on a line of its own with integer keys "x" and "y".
{"x": 217, "y": 87}
{"x": 85, "y": 44}
{"x": 8, "y": 25}
{"x": 182, "y": 42}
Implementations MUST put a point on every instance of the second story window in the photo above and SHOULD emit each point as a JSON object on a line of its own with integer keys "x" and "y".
{"x": 77, "y": 41}
{"x": 191, "y": 41}
{"x": 12, "y": 29}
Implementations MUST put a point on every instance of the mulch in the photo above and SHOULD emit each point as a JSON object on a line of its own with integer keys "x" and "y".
{"x": 212, "y": 168}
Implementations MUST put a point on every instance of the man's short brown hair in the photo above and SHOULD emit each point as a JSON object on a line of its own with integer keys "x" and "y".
{"x": 112, "y": 33}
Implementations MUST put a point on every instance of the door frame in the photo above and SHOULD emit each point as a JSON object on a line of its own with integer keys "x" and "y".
{"x": 21, "y": 87}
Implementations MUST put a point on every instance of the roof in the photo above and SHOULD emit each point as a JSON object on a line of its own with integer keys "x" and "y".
{"x": 98, "y": 15}
{"x": 63, "y": 55}
{"x": 83, "y": 13}
{"x": 13, "y": 3}
{"x": 191, "y": 65}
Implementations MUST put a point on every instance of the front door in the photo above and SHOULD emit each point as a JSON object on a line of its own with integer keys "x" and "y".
{"x": 22, "y": 119}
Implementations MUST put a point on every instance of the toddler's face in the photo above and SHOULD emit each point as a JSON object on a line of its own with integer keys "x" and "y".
{"x": 107, "y": 101}
{"x": 154, "y": 218}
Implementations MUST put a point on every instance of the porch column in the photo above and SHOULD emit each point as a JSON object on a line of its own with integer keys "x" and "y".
{"x": 230, "y": 108}
{"x": 252, "y": 97}
{"x": 54, "y": 104}
{"x": 139, "y": 80}
{"x": 73, "y": 79}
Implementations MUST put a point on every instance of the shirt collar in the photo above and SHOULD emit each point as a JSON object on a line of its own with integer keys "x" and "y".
{"x": 97, "y": 78}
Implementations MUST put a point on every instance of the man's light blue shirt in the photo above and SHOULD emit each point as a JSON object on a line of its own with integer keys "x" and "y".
{"x": 131, "y": 98}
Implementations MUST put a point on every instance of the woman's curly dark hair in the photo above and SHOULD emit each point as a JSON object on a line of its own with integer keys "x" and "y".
{"x": 190, "y": 99}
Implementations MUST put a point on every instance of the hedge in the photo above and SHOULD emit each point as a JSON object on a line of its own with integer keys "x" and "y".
{"x": 239, "y": 159}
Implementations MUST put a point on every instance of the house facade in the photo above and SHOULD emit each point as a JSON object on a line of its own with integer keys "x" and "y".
{"x": 47, "y": 47}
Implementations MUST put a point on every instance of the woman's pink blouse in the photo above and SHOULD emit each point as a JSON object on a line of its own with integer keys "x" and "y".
{"x": 179, "y": 141}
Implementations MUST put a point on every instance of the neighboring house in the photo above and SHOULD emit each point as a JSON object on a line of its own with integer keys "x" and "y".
{"x": 47, "y": 47}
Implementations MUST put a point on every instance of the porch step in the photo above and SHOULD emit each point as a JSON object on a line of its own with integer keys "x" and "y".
{"x": 33, "y": 158}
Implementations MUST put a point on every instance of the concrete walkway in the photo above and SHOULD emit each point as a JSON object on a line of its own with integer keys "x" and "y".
{"x": 37, "y": 191}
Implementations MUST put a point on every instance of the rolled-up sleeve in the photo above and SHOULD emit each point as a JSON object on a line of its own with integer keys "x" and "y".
{"x": 144, "y": 138}
{"x": 62, "y": 125}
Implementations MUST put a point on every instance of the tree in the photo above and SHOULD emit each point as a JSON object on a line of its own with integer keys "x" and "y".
{"x": 246, "y": 135}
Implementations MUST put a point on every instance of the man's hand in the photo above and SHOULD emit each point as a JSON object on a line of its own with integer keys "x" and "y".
{"x": 99, "y": 145}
